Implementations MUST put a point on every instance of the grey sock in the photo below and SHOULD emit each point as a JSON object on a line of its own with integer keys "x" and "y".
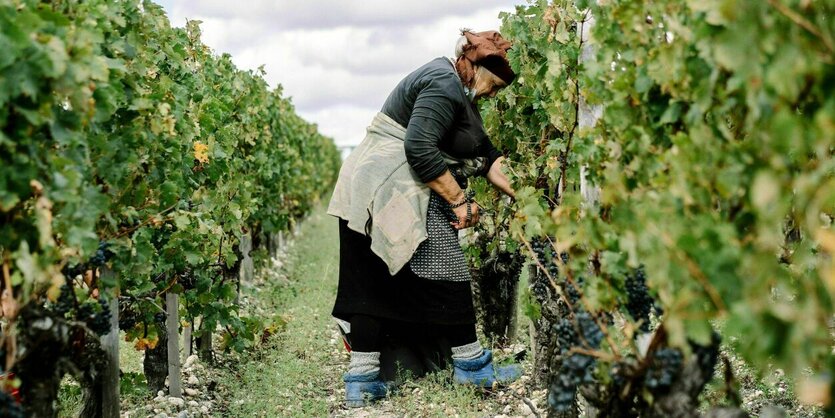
{"x": 364, "y": 363}
{"x": 470, "y": 351}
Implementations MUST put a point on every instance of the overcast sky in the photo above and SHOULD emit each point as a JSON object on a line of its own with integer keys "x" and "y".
{"x": 337, "y": 59}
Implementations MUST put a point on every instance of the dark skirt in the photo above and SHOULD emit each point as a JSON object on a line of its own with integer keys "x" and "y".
{"x": 367, "y": 288}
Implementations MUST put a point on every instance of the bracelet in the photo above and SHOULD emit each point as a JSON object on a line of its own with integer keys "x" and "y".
{"x": 461, "y": 203}
{"x": 469, "y": 211}
{"x": 467, "y": 199}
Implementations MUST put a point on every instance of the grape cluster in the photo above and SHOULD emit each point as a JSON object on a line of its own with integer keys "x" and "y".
{"x": 98, "y": 320}
{"x": 103, "y": 254}
{"x": 9, "y": 407}
{"x": 639, "y": 302}
{"x": 566, "y": 336}
{"x": 707, "y": 355}
{"x": 592, "y": 334}
{"x": 187, "y": 279}
{"x": 71, "y": 271}
{"x": 664, "y": 369}
{"x": 544, "y": 253}
{"x": 128, "y": 317}
{"x": 572, "y": 291}
{"x": 66, "y": 300}
{"x": 575, "y": 368}
{"x": 539, "y": 284}
{"x": 542, "y": 250}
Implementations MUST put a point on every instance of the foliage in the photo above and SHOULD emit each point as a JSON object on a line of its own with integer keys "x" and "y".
{"x": 713, "y": 159}
{"x": 118, "y": 131}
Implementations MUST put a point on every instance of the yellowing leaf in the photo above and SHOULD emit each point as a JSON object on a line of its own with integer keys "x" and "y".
{"x": 201, "y": 152}
{"x": 145, "y": 343}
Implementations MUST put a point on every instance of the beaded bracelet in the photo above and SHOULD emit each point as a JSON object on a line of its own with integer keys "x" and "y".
{"x": 461, "y": 203}
{"x": 468, "y": 198}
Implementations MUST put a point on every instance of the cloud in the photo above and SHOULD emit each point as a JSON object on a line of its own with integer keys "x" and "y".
{"x": 345, "y": 123}
{"x": 317, "y": 14}
{"x": 337, "y": 60}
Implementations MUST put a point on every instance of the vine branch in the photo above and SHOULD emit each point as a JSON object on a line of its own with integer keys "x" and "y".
{"x": 145, "y": 222}
{"x": 802, "y": 22}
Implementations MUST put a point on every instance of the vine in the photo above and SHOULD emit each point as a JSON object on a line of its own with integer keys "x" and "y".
{"x": 711, "y": 156}
{"x": 128, "y": 144}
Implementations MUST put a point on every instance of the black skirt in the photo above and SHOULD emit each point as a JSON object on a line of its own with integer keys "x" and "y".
{"x": 367, "y": 288}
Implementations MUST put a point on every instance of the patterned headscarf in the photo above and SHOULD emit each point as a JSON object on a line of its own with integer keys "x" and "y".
{"x": 487, "y": 49}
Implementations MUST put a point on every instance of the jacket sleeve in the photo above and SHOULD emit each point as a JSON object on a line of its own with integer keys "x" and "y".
{"x": 489, "y": 151}
{"x": 432, "y": 117}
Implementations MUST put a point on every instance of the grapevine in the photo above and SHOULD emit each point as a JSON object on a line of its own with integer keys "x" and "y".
{"x": 677, "y": 153}
{"x": 133, "y": 160}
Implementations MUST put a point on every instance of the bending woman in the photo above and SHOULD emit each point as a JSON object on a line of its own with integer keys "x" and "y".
{"x": 401, "y": 201}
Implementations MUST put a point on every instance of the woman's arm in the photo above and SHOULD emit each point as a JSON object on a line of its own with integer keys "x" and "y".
{"x": 446, "y": 186}
{"x": 497, "y": 177}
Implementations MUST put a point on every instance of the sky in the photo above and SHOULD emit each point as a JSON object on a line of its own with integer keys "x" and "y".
{"x": 337, "y": 59}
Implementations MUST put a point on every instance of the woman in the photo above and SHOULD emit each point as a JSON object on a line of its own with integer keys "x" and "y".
{"x": 401, "y": 202}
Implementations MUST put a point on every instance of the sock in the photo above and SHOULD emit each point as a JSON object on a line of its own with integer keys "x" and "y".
{"x": 364, "y": 363}
{"x": 469, "y": 351}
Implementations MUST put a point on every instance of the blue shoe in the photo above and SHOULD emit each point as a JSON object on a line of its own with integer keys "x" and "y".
{"x": 362, "y": 390}
{"x": 482, "y": 373}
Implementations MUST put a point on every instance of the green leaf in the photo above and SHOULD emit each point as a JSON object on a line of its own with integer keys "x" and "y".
{"x": 169, "y": 193}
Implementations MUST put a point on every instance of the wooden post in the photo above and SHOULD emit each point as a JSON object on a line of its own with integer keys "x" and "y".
{"x": 282, "y": 241}
{"x": 587, "y": 115}
{"x": 187, "y": 341}
{"x": 110, "y": 345}
{"x": 172, "y": 308}
{"x": 512, "y": 322}
{"x": 204, "y": 343}
{"x": 276, "y": 244}
{"x": 247, "y": 266}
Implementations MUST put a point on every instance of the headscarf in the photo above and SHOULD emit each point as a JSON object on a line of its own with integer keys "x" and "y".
{"x": 487, "y": 49}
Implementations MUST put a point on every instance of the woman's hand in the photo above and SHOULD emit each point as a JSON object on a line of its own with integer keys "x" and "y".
{"x": 446, "y": 186}
{"x": 497, "y": 177}
{"x": 461, "y": 213}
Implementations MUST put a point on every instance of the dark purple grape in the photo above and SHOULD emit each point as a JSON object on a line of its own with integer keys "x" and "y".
{"x": 103, "y": 255}
{"x": 639, "y": 302}
{"x": 663, "y": 369}
{"x": 566, "y": 336}
{"x": 96, "y": 318}
{"x": 575, "y": 368}
{"x": 707, "y": 355}
{"x": 66, "y": 300}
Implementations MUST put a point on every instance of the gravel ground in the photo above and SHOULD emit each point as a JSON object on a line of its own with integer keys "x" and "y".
{"x": 758, "y": 396}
